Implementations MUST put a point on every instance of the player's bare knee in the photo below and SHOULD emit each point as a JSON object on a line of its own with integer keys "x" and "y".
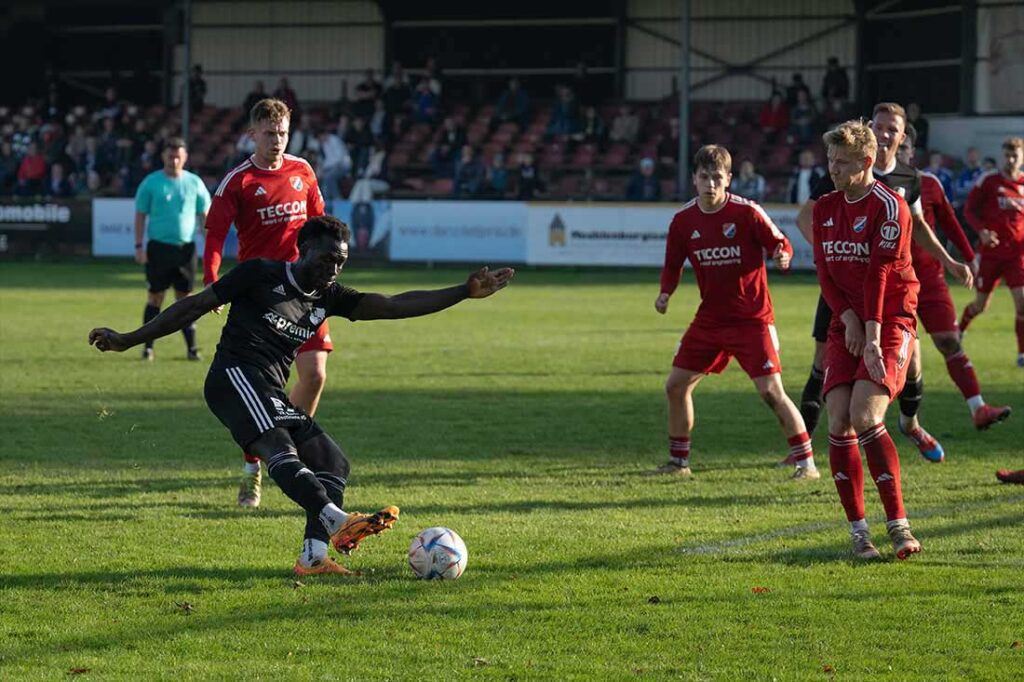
{"x": 839, "y": 424}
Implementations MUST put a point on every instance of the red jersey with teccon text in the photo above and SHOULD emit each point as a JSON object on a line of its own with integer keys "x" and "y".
{"x": 939, "y": 214}
{"x": 726, "y": 249}
{"x": 996, "y": 203}
{"x": 862, "y": 254}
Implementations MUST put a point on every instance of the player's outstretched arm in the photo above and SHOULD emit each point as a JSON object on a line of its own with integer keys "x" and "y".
{"x": 925, "y": 236}
{"x": 180, "y": 315}
{"x": 480, "y": 284}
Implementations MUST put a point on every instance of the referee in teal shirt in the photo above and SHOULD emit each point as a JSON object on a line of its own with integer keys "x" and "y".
{"x": 175, "y": 201}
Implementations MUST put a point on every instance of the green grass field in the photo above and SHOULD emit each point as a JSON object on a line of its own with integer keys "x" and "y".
{"x": 524, "y": 422}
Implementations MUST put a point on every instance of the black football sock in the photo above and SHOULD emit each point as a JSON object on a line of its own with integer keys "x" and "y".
{"x": 299, "y": 483}
{"x": 810, "y": 401}
{"x": 911, "y": 396}
{"x": 189, "y": 333}
{"x": 150, "y": 312}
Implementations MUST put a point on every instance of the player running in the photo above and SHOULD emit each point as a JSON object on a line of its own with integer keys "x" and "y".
{"x": 862, "y": 253}
{"x": 995, "y": 209}
{"x": 887, "y": 123}
{"x": 725, "y": 238}
{"x": 268, "y": 197}
{"x": 935, "y": 306}
{"x": 276, "y": 308}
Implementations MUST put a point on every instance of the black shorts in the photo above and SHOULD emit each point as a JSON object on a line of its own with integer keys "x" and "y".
{"x": 246, "y": 402}
{"x": 170, "y": 265}
{"x": 822, "y": 319}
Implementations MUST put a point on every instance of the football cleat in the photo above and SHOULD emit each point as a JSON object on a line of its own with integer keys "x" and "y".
{"x": 250, "y": 489}
{"x": 903, "y": 542}
{"x": 863, "y": 548}
{"x": 789, "y": 461}
{"x": 1007, "y": 476}
{"x": 1020, "y": 360}
{"x": 147, "y": 354}
{"x": 360, "y": 526}
{"x": 805, "y": 474}
{"x": 987, "y": 415}
{"x": 193, "y": 355}
{"x": 323, "y": 567}
{"x": 670, "y": 468}
{"x": 930, "y": 448}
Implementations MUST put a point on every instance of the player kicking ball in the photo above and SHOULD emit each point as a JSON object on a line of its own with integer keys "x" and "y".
{"x": 725, "y": 238}
{"x": 862, "y": 235}
{"x": 275, "y": 308}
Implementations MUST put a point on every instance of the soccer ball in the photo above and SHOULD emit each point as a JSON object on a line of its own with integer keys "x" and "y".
{"x": 438, "y": 553}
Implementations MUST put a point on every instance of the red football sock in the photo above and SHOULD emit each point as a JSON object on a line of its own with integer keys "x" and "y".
{"x": 884, "y": 464}
{"x": 251, "y": 459}
{"x": 679, "y": 447}
{"x": 1019, "y": 327}
{"x": 800, "y": 447}
{"x": 848, "y": 474}
{"x": 961, "y": 371}
{"x": 965, "y": 318}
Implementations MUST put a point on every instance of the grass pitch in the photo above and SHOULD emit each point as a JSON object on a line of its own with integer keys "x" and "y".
{"x": 524, "y": 423}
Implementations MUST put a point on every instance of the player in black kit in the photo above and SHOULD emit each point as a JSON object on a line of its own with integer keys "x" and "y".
{"x": 275, "y": 308}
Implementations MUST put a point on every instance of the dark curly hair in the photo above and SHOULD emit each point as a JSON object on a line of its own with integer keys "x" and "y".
{"x": 323, "y": 226}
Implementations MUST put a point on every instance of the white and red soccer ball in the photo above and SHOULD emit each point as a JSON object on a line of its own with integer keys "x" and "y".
{"x": 438, "y": 553}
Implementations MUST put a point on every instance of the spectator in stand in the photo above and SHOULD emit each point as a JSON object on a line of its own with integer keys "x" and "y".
{"x": 583, "y": 86}
{"x": 147, "y": 162}
{"x": 748, "y": 184}
{"x": 76, "y": 143}
{"x": 9, "y": 164}
{"x": 32, "y": 172}
{"x": 285, "y": 93}
{"x": 92, "y": 160}
{"x": 367, "y": 92}
{"x": 988, "y": 164}
{"x": 644, "y": 185}
{"x": 380, "y": 120}
{"x": 425, "y": 103}
{"x": 835, "y": 113}
{"x": 625, "y": 126}
{"x": 108, "y": 142}
{"x": 528, "y": 181}
{"x": 112, "y": 107}
{"x": 450, "y": 140}
{"x": 335, "y": 164}
{"x": 967, "y": 177}
{"x": 836, "y": 84}
{"x": 469, "y": 174}
{"x": 360, "y": 140}
{"x": 513, "y": 106}
{"x": 257, "y": 93}
{"x": 22, "y": 136}
{"x": 774, "y": 117}
{"x": 668, "y": 147}
{"x": 920, "y": 124}
{"x": 245, "y": 147}
{"x": 92, "y": 186}
{"x": 497, "y": 177}
{"x": 58, "y": 186}
{"x": 939, "y": 170}
{"x": 373, "y": 179}
{"x": 803, "y": 117}
{"x": 796, "y": 85}
{"x": 197, "y": 89}
{"x": 397, "y": 93}
{"x": 804, "y": 179}
{"x": 592, "y": 129}
{"x": 432, "y": 74}
{"x": 565, "y": 114}
{"x": 302, "y": 142}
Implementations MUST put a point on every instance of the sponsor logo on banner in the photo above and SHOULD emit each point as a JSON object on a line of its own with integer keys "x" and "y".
{"x": 556, "y": 233}
{"x": 463, "y": 231}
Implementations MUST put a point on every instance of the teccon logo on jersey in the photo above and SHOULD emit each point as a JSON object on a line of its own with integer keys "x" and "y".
{"x": 719, "y": 255}
{"x": 287, "y": 327}
{"x": 289, "y": 209}
{"x": 859, "y": 251}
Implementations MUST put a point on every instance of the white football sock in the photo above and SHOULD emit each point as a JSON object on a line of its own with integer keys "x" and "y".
{"x": 889, "y": 525}
{"x": 861, "y": 524}
{"x": 332, "y": 517}
{"x": 807, "y": 463}
{"x": 975, "y": 402}
{"x": 313, "y": 552}
{"x": 252, "y": 467}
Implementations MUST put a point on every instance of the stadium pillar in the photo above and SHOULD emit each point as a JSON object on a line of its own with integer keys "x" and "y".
{"x": 969, "y": 55}
{"x": 186, "y": 94}
{"x": 684, "y": 99}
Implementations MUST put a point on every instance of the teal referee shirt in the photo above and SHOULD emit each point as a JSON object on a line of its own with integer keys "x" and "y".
{"x": 172, "y": 205}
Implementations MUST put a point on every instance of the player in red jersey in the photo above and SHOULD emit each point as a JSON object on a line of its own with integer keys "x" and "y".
{"x": 862, "y": 236}
{"x": 725, "y": 238}
{"x": 995, "y": 209}
{"x": 268, "y": 197}
{"x": 935, "y": 306}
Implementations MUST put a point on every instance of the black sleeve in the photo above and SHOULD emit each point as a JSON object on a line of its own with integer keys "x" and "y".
{"x": 242, "y": 277}
{"x": 914, "y": 191}
{"x": 822, "y": 187}
{"x": 341, "y": 301}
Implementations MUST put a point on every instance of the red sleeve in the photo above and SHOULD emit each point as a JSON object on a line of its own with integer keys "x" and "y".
{"x": 767, "y": 233}
{"x": 829, "y": 289}
{"x": 891, "y": 238}
{"x": 973, "y": 209}
{"x": 314, "y": 200}
{"x": 945, "y": 216}
{"x": 675, "y": 256}
{"x": 223, "y": 210}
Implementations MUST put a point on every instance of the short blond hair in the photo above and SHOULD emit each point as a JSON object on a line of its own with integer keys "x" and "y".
{"x": 855, "y": 136}
{"x": 1014, "y": 143}
{"x": 269, "y": 109}
{"x": 713, "y": 157}
{"x": 890, "y": 108}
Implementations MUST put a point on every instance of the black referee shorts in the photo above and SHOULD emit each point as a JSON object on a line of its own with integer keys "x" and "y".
{"x": 250, "y": 405}
{"x": 822, "y": 319}
{"x": 170, "y": 265}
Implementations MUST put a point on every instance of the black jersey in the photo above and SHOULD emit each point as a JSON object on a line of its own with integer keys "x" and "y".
{"x": 902, "y": 179}
{"x": 271, "y": 317}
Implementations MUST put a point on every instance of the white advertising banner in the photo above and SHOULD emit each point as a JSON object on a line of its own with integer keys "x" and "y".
{"x": 567, "y": 234}
{"x": 113, "y": 227}
{"x": 458, "y": 231}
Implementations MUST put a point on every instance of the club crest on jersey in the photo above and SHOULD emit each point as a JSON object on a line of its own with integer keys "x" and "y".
{"x": 317, "y": 315}
{"x": 859, "y": 223}
{"x": 296, "y": 183}
{"x": 729, "y": 230}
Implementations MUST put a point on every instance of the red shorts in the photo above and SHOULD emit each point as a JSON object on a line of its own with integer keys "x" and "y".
{"x": 707, "y": 349}
{"x": 993, "y": 268}
{"x": 842, "y": 368}
{"x": 934, "y": 304}
{"x": 322, "y": 341}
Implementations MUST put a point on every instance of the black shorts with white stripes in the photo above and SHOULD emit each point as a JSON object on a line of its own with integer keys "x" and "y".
{"x": 249, "y": 405}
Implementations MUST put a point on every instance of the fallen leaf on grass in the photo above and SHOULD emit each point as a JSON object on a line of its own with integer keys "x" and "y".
{"x": 480, "y": 662}
{"x": 78, "y": 671}
{"x": 185, "y": 606}
{"x": 298, "y": 583}
{"x": 1017, "y": 645}
{"x": 654, "y": 600}
{"x": 827, "y": 669}
{"x": 760, "y": 590}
